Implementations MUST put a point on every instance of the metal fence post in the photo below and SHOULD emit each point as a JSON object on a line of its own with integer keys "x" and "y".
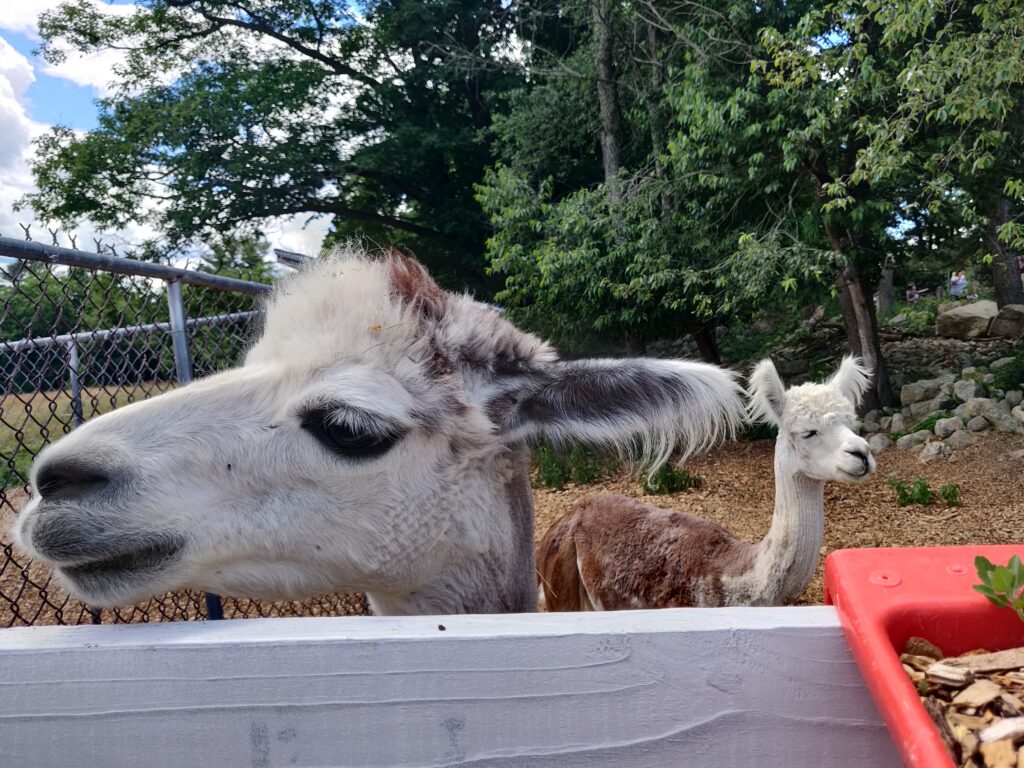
{"x": 74, "y": 382}
{"x": 183, "y": 373}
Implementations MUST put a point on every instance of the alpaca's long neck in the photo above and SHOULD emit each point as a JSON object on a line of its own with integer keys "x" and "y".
{"x": 500, "y": 574}
{"x": 786, "y": 558}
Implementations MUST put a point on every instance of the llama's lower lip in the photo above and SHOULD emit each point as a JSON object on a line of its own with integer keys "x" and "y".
{"x": 153, "y": 556}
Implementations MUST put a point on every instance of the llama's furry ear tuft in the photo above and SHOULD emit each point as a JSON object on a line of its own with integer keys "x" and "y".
{"x": 412, "y": 285}
{"x": 852, "y": 379}
{"x": 766, "y": 394}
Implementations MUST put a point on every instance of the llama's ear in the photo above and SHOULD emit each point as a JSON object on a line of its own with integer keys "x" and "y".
{"x": 766, "y": 394}
{"x": 852, "y": 379}
{"x": 637, "y": 406}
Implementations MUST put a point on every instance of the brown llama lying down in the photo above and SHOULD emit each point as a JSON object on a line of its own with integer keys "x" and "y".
{"x": 612, "y": 553}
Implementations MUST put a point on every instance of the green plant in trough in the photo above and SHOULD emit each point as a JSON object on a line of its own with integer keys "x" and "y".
{"x": 1003, "y": 585}
{"x": 669, "y": 480}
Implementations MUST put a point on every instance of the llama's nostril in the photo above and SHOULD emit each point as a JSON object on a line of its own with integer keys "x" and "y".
{"x": 68, "y": 479}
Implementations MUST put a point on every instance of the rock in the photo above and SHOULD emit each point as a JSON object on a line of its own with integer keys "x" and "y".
{"x": 878, "y": 443}
{"x": 919, "y": 391}
{"x": 897, "y": 423}
{"x": 969, "y": 371}
{"x": 967, "y": 321}
{"x": 789, "y": 368}
{"x": 1009, "y": 322}
{"x": 920, "y": 410}
{"x": 1017, "y": 455}
{"x": 867, "y": 427}
{"x": 898, "y": 319}
{"x": 931, "y": 452}
{"x": 1014, "y": 397}
{"x": 996, "y": 394}
{"x": 1018, "y": 413}
{"x": 1001, "y": 362}
{"x": 977, "y": 406}
{"x": 960, "y": 439}
{"x": 885, "y": 423}
{"x": 978, "y": 424}
{"x": 966, "y": 389}
{"x": 946, "y": 427}
{"x": 907, "y": 442}
{"x": 988, "y": 378}
{"x": 873, "y": 415}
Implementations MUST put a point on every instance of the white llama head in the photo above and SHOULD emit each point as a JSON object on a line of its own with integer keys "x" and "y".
{"x": 373, "y": 440}
{"x": 817, "y": 422}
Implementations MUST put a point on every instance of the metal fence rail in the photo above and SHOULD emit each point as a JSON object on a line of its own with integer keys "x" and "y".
{"x": 80, "y": 335}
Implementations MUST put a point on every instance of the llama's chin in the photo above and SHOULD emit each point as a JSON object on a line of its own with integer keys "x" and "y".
{"x": 124, "y": 578}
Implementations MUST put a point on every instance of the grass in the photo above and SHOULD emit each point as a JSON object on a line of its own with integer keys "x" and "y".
{"x": 30, "y": 421}
{"x": 925, "y": 424}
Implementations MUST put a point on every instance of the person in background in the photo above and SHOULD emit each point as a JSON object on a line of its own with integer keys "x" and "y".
{"x": 913, "y": 294}
{"x": 958, "y": 284}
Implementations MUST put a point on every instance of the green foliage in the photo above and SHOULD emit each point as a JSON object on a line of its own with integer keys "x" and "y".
{"x": 669, "y": 480}
{"x": 950, "y": 493}
{"x": 1011, "y": 375}
{"x": 578, "y": 464}
{"x": 379, "y": 117}
{"x": 919, "y": 492}
{"x": 919, "y": 317}
{"x": 925, "y": 424}
{"x": 757, "y": 431}
{"x": 1003, "y": 585}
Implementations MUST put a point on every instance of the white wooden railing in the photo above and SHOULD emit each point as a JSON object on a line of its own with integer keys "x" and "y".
{"x": 701, "y": 688}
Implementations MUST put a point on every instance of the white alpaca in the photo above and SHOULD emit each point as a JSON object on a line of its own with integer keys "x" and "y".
{"x": 611, "y": 552}
{"x": 375, "y": 439}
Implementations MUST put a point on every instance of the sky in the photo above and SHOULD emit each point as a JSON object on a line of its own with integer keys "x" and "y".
{"x": 35, "y": 95}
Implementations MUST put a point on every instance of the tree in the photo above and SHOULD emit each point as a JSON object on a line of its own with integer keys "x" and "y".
{"x": 960, "y": 118}
{"x": 230, "y": 111}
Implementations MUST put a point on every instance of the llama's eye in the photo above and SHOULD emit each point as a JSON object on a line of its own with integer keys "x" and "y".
{"x": 347, "y": 440}
{"x": 810, "y": 433}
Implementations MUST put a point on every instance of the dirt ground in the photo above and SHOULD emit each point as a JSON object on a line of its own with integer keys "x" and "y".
{"x": 738, "y": 492}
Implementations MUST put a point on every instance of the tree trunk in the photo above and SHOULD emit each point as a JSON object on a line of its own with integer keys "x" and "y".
{"x": 862, "y": 334}
{"x": 608, "y": 98}
{"x": 707, "y": 344}
{"x": 885, "y": 290}
{"x": 653, "y": 101}
{"x": 1006, "y": 272}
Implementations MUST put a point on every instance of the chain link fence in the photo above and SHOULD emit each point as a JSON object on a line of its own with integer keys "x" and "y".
{"x": 80, "y": 335}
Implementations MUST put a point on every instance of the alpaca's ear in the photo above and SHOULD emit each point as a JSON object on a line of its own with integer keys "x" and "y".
{"x": 852, "y": 379}
{"x": 640, "y": 405}
{"x": 766, "y": 394}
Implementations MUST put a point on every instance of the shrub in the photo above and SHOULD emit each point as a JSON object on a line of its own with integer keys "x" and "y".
{"x": 928, "y": 424}
{"x": 578, "y": 464}
{"x": 950, "y": 493}
{"x": 669, "y": 480}
{"x": 1011, "y": 375}
{"x": 918, "y": 492}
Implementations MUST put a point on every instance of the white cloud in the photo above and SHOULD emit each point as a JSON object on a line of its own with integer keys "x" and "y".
{"x": 16, "y": 133}
{"x": 92, "y": 71}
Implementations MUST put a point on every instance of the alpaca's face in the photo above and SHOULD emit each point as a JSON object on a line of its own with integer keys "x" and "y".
{"x": 819, "y": 423}
{"x": 363, "y": 446}
{"x": 816, "y": 422}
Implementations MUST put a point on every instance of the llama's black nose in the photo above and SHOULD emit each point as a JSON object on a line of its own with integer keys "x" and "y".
{"x": 862, "y": 455}
{"x": 68, "y": 479}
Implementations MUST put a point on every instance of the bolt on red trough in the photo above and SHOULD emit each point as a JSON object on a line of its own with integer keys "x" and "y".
{"x": 886, "y": 596}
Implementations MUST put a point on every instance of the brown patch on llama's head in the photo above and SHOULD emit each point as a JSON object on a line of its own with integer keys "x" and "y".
{"x": 413, "y": 286}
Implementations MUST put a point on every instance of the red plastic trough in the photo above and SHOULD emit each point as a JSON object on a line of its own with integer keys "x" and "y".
{"x": 885, "y": 596}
